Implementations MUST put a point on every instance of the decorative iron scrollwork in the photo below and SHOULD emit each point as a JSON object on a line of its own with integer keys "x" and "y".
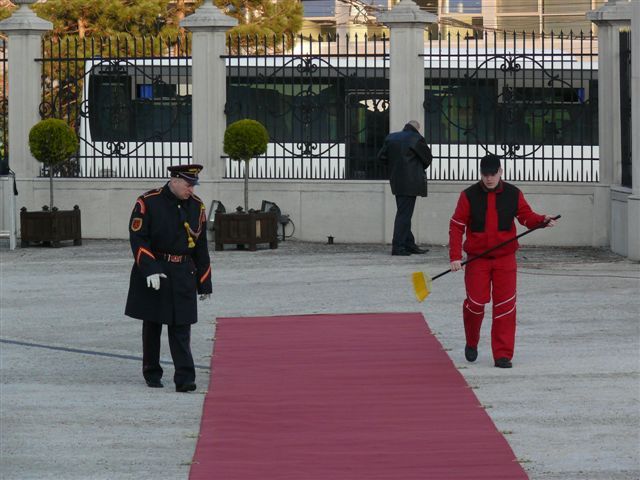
{"x": 59, "y": 101}
{"x": 307, "y": 66}
{"x": 511, "y": 64}
{"x": 511, "y": 111}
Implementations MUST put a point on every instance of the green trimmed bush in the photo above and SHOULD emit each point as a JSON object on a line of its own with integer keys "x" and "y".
{"x": 51, "y": 142}
{"x": 244, "y": 140}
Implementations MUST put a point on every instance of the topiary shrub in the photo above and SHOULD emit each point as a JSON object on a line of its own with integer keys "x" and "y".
{"x": 51, "y": 142}
{"x": 244, "y": 140}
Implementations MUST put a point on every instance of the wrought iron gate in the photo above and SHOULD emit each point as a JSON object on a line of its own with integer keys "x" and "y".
{"x": 625, "y": 107}
{"x": 530, "y": 99}
{"x": 4, "y": 110}
{"x": 129, "y": 101}
{"x": 325, "y": 106}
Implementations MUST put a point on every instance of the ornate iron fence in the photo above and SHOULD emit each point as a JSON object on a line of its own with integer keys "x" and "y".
{"x": 4, "y": 109}
{"x": 625, "y": 107}
{"x": 128, "y": 99}
{"x": 531, "y": 99}
{"x": 324, "y": 102}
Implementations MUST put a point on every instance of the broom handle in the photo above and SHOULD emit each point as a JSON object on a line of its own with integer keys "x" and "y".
{"x": 500, "y": 245}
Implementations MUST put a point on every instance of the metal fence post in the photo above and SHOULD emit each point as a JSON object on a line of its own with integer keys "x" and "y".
{"x": 633, "y": 206}
{"x": 24, "y": 29}
{"x": 406, "y": 63}
{"x": 209, "y": 88}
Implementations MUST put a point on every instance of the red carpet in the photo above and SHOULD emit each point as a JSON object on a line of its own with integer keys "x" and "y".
{"x": 342, "y": 397}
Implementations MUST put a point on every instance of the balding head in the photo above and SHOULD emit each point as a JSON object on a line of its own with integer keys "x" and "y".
{"x": 415, "y": 124}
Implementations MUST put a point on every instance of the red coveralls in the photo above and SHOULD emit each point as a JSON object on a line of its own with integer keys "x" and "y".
{"x": 487, "y": 218}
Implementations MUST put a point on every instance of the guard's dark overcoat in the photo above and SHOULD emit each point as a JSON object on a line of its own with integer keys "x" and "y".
{"x": 157, "y": 228}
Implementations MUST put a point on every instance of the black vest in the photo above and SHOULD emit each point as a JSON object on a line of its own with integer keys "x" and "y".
{"x": 506, "y": 204}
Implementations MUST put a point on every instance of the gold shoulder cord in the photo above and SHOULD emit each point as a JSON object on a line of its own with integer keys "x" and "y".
{"x": 190, "y": 233}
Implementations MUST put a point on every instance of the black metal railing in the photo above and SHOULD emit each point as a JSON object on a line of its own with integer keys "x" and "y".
{"x": 532, "y": 99}
{"x": 529, "y": 98}
{"x": 4, "y": 109}
{"x": 128, "y": 99}
{"x": 625, "y": 108}
{"x": 324, "y": 103}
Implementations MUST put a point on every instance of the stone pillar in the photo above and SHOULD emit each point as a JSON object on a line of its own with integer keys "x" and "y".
{"x": 406, "y": 23}
{"x": 609, "y": 103}
{"x": 209, "y": 89}
{"x": 633, "y": 207}
{"x": 609, "y": 18}
{"x": 24, "y": 29}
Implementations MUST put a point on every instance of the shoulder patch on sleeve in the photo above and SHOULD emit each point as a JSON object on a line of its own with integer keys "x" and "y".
{"x": 141, "y": 206}
{"x": 136, "y": 224}
{"x": 153, "y": 192}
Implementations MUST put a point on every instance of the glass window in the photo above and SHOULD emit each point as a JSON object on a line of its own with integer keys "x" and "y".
{"x": 459, "y": 110}
{"x": 290, "y": 112}
{"x": 463, "y": 6}
{"x": 430, "y": 6}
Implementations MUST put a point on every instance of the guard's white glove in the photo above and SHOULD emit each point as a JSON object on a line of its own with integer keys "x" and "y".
{"x": 205, "y": 296}
{"x": 153, "y": 281}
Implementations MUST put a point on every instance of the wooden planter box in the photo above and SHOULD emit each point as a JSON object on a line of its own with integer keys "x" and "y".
{"x": 246, "y": 229}
{"x": 50, "y": 226}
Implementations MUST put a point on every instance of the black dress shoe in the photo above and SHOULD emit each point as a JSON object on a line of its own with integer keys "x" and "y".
{"x": 154, "y": 383}
{"x": 503, "y": 363}
{"x": 401, "y": 253}
{"x": 416, "y": 249}
{"x": 470, "y": 353}
{"x": 186, "y": 387}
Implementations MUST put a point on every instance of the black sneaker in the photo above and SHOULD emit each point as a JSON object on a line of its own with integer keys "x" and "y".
{"x": 154, "y": 383}
{"x": 470, "y": 353}
{"x": 417, "y": 250}
{"x": 402, "y": 253}
{"x": 186, "y": 387}
{"x": 503, "y": 363}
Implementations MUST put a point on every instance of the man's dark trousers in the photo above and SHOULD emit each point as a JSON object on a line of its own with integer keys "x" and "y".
{"x": 402, "y": 237}
{"x": 180, "y": 346}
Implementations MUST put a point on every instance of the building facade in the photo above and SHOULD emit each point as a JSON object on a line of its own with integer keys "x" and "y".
{"x": 467, "y": 17}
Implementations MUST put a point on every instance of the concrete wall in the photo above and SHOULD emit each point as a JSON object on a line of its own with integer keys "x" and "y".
{"x": 350, "y": 211}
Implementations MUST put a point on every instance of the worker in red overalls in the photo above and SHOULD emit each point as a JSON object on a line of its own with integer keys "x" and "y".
{"x": 485, "y": 213}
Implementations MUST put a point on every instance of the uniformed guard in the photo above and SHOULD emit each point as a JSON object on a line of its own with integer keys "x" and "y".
{"x": 167, "y": 231}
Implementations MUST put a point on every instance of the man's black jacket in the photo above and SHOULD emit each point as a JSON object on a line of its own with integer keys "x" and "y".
{"x": 408, "y": 156}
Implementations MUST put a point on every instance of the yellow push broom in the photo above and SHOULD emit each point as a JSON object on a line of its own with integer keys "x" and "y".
{"x": 422, "y": 282}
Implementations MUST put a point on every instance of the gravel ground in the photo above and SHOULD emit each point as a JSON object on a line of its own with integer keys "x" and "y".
{"x": 73, "y": 404}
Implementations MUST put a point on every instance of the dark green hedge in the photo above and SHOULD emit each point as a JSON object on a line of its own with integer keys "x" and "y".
{"x": 52, "y": 141}
{"x": 245, "y": 139}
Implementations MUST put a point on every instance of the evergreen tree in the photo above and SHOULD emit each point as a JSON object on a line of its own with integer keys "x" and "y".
{"x": 103, "y": 18}
{"x": 264, "y": 18}
{"x": 6, "y": 7}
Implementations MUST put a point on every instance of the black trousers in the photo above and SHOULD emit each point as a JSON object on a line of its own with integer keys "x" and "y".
{"x": 180, "y": 346}
{"x": 402, "y": 236}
